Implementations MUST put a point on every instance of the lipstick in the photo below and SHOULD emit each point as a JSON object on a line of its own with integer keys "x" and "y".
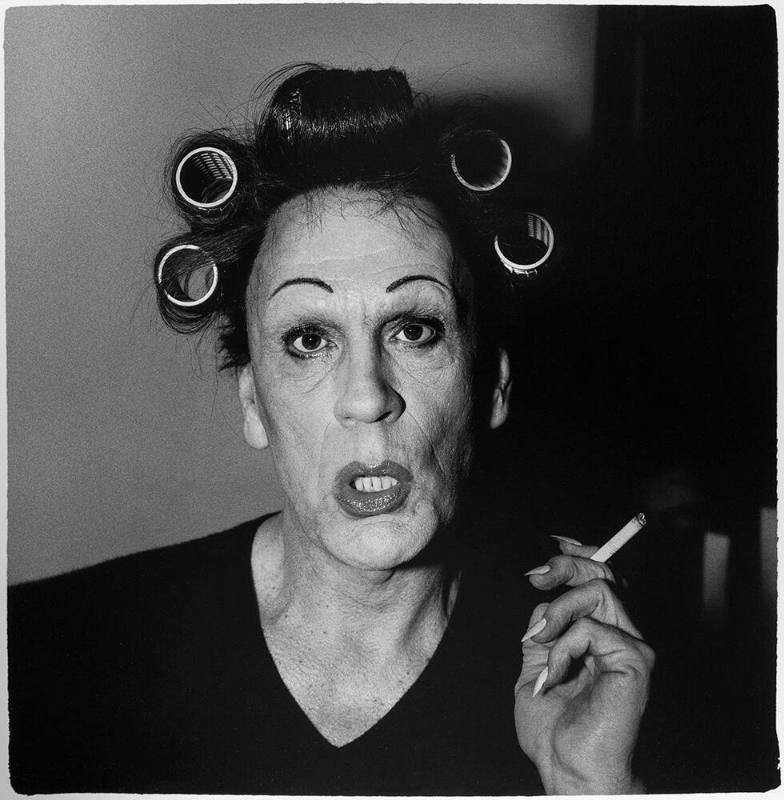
{"x": 364, "y": 491}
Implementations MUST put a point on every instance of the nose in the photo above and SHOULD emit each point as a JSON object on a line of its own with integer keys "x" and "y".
{"x": 365, "y": 393}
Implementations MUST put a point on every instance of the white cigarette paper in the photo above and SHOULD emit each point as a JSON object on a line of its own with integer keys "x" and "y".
{"x": 613, "y": 545}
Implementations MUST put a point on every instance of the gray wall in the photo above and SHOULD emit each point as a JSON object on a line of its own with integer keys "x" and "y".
{"x": 121, "y": 436}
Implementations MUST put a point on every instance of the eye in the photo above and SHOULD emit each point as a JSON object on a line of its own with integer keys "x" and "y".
{"x": 309, "y": 343}
{"x": 305, "y": 342}
{"x": 416, "y": 333}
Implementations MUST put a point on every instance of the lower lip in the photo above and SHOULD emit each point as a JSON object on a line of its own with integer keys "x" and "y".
{"x": 369, "y": 504}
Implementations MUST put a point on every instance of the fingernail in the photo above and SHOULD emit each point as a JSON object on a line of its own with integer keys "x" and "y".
{"x": 534, "y": 629}
{"x": 539, "y": 570}
{"x": 540, "y": 681}
{"x": 567, "y": 540}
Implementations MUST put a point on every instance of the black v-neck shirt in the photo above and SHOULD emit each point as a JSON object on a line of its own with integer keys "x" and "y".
{"x": 150, "y": 673}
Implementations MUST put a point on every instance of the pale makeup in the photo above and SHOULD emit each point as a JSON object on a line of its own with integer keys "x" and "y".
{"x": 362, "y": 347}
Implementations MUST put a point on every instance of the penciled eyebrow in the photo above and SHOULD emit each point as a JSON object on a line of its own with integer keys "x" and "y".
{"x": 327, "y": 288}
{"x": 408, "y": 278}
{"x": 294, "y": 281}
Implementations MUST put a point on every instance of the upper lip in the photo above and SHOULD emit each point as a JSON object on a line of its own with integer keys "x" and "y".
{"x": 356, "y": 469}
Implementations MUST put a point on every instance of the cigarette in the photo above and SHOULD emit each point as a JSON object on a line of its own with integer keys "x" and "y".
{"x": 614, "y": 544}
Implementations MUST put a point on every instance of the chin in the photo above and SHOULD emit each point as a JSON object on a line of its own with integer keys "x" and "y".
{"x": 382, "y": 542}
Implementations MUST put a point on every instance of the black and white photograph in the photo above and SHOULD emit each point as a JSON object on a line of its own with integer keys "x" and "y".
{"x": 391, "y": 399}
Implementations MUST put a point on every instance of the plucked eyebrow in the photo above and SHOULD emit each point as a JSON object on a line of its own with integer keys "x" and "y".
{"x": 408, "y": 278}
{"x": 313, "y": 281}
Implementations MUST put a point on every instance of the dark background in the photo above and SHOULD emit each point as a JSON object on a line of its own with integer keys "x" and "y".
{"x": 647, "y": 379}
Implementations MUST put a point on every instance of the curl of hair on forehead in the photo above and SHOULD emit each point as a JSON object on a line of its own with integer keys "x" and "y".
{"x": 322, "y": 129}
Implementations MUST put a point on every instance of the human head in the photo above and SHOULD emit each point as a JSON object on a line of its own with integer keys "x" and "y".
{"x": 332, "y": 140}
{"x": 362, "y": 360}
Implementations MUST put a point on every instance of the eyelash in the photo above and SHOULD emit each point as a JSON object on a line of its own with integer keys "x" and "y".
{"x": 291, "y": 336}
{"x": 436, "y": 325}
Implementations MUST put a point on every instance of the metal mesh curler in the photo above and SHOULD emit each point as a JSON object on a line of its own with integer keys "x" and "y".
{"x": 187, "y": 275}
{"x": 523, "y": 251}
{"x": 206, "y": 177}
{"x": 482, "y": 161}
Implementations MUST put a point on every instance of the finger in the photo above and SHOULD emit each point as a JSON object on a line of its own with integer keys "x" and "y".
{"x": 534, "y": 655}
{"x": 569, "y": 571}
{"x": 571, "y": 547}
{"x": 614, "y": 652}
{"x": 594, "y": 599}
{"x": 536, "y": 624}
{"x": 537, "y": 614}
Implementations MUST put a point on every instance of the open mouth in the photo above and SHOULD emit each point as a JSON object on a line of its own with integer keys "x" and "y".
{"x": 362, "y": 491}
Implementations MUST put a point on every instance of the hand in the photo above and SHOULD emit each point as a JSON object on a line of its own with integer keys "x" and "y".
{"x": 581, "y": 725}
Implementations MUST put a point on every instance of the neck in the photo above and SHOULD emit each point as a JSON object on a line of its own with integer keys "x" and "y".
{"x": 302, "y": 587}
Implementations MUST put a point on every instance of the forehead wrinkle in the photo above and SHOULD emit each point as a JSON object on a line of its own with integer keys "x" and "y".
{"x": 425, "y": 246}
{"x": 392, "y": 255}
{"x": 368, "y": 264}
{"x": 308, "y": 217}
{"x": 354, "y": 287}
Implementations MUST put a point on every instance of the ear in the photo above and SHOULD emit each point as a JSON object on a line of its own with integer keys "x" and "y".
{"x": 499, "y": 409}
{"x": 253, "y": 428}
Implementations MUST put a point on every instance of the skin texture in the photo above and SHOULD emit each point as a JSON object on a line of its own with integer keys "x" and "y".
{"x": 374, "y": 363}
{"x": 581, "y": 727}
{"x": 362, "y": 348}
{"x": 367, "y": 394}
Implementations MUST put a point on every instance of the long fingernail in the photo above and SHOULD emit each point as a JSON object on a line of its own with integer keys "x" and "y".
{"x": 534, "y": 629}
{"x": 540, "y": 681}
{"x": 539, "y": 570}
{"x": 567, "y": 540}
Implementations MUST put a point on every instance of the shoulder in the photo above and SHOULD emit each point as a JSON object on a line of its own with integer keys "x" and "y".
{"x": 141, "y": 604}
{"x": 99, "y": 659}
{"x": 154, "y": 574}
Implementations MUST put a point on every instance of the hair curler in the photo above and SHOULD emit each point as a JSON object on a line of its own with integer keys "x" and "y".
{"x": 482, "y": 161}
{"x": 523, "y": 252}
{"x": 206, "y": 177}
{"x": 191, "y": 277}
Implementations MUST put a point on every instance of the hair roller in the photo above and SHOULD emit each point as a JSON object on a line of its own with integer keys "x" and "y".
{"x": 523, "y": 250}
{"x": 206, "y": 177}
{"x": 481, "y": 160}
{"x": 187, "y": 275}
{"x": 321, "y": 129}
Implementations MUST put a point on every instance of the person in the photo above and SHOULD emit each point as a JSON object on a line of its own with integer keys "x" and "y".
{"x": 360, "y": 251}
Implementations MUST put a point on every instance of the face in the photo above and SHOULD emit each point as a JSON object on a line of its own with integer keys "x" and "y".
{"x": 362, "y": 347}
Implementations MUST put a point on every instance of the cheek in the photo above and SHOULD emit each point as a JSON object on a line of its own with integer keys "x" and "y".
{"x": 436, "y": 368}
{"x": 296, "y": 414}
{"x": 439, "y": 381}
{"x": 440, "y": 404}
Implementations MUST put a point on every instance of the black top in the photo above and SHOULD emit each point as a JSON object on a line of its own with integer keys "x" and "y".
{"x": 150, "y": 673}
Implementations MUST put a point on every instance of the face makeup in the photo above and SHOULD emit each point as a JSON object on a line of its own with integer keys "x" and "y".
{"x": 362, "y": 370}
{"x": 364, "y": 491}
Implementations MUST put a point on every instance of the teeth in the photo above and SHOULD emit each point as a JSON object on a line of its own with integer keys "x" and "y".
{"x": 374, "y": 484}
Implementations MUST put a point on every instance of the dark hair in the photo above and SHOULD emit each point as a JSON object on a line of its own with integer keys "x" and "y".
{"x": 325, "y": 128}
